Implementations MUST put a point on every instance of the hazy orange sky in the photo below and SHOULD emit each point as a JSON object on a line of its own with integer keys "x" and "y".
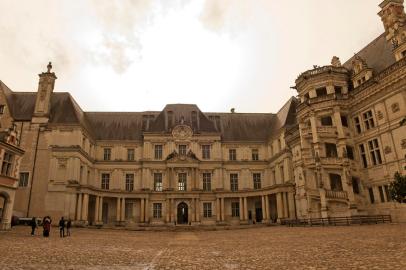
{"x": 123, "y": 55}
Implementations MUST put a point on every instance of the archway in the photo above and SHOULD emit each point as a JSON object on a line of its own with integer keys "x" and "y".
{"x": 5, "y": 211}
{"x": 182, "y": 213}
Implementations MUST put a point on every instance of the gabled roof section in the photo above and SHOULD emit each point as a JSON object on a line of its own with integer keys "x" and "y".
{"x": 182, "y": 114}
{"x": 286, "y": 116}
{"x": 377, "y": 55}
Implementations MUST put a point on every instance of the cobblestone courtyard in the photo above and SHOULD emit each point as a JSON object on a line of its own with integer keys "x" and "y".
{"x": 355, "y": 247}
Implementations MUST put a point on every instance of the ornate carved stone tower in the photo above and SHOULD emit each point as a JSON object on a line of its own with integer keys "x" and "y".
{"x": 43, "y": 100}
{"x": 394, "y": 20}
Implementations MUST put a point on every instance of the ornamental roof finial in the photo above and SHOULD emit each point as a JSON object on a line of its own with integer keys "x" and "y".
{"x": 49, "y": 67}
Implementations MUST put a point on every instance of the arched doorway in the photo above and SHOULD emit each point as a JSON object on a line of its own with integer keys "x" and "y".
{"x": 182, "y": 213}
{"x": 5, "y": 211}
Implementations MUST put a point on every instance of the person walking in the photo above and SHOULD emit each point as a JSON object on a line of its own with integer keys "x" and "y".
{"x": 33, "y": 225}
{"x": 62, "y": 227}
{"x": 68, "y": 225}
{"x": 46, "y": 225}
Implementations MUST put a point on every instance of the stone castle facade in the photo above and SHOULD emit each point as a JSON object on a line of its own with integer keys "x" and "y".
{"x": 332, "y": 151}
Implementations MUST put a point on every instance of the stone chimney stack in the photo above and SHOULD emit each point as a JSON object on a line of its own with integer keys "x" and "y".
{"x": 43, "y": 100}
{"x": 394, "y": 20}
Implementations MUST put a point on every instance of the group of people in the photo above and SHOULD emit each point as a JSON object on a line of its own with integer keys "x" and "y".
{"x": 46, "y": 225}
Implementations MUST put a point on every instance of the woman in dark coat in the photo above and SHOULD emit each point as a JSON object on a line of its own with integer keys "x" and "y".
{"x": 47, "y": 225}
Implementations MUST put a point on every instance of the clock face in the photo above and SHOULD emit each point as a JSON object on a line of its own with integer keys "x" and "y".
{"x": 182, "y": 132}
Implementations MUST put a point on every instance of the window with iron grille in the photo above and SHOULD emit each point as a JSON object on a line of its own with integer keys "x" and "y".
{"x": 157, "y": 210}
{"x": 368, "y": 119}
{"x": 255, "y": 154}
{"x": 207, "y": 181}
{"x": 105, "y": 181}
{"x": 7, "y": 165}
{"x": 206, "y": 151}
{"x": 130, "y": 154}
{"x": 158, "y": 151}
{"x": 182, "y": 181}
{"x": 232, "y": 154}
{"x": 234, "y": 182}
{"x": 257, "y": 180}
{"x": 235, "y": 209}
{"x": 158, "y": 181}
{"x": 207, "y": 211}
{"x": 107, "y": 154}
{"x": 374, "y": 152}
{"x": 129, "y": 182}
{"x": 23, "y": 182}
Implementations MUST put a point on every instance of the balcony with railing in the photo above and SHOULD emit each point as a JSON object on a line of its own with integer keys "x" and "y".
{"x": 340, "y": 195}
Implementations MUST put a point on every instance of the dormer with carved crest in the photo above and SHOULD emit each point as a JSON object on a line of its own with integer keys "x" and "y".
{"x": 361, "y": 71}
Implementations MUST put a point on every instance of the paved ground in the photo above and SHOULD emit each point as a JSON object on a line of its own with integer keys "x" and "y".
{"x": 355, "y": 247}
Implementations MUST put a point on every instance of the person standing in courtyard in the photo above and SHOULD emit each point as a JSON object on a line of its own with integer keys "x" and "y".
{"x": 62, "y": 227}
{"x": 68, "y": 225}
{"x": 33, "y": 225}
{"x": 47, "y": 225}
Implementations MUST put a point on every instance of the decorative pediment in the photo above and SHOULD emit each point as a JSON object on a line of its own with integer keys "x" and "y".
{"x": 176, "y": 157}
{"x": 359, "y": 64}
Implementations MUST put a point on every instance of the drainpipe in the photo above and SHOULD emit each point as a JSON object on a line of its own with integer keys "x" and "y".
{"x": 33, "y": 171}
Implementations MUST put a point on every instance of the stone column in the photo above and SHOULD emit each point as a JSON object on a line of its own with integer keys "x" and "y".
{"x": 285, "y": 204}
{"x": 173, "y": 211}
{"x": 79, "y": 207}
{"x": 100, "y": 209}
{"x": 146, "y": 210}
{"x": 241, "y": 208}
{"x": 198, "y": 209}
{"x": 245, "y": 208}
{"x": 263, "y": 208}
{"x": 7, "y": 215}
{"x": 279, "y": 205}
{"x": 168, "y": 210}
{"x": 291, "y": 200}
{"x": 118, "y": 212}
{"x": 85, "y": 206}
{"x": 218, "y": 209}
{"x": 142, "y": 210}
{"x": 268, "y": 215}
{"x": 193, "y": 204}
{"x": 96, "y": 210}
{"x": 123, "y": 209}
{"x": 222, "y": 209}
{"x": 323, "y": 202}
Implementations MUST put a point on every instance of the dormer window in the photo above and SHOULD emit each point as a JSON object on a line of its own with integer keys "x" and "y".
{"x": 194, "y": 119}
{"x": 170, "y": 119}
{"x": 182, "y": 149}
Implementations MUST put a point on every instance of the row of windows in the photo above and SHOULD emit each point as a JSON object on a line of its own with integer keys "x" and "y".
{"x": 107, "y": 154}
{"x": 328, "y": 121}
{"x": 371, "y": 147}
{"x": 157, "y": 210}
{"x": 182, "y": 181}
{"x": 382, "y": 190}
{"x": 331, "y": 151}
{"x": 367, "y": 121}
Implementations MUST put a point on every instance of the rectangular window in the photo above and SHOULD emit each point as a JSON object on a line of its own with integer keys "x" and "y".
{"x": 182, "y": 149}
{"x": 322, "y": 91}
{"x": 338, "y": 90}
{"x": 129, "y": 206}
{"x": 182, "y": 181}
{"x": 335, "y": 182}
{"x": 388, "y": 196}
{"x": 381, "y": 194}
{"x": 206, "y": 151}
{"x": 363, "y": 155}
{"x": 232, "y": 154}
{"x": 282, "y": 173}
{"x": 256, "y": 177}
{"x": 23, "y": 182}
{"x": 357, "y": 124}
{"x": 158, "y": 151}
{"x": 355, "y": 185}
{"x": 371, "y": 195}
{"x": 207, "y": 181}
{"x": 207, "y": 211}
{"x": 7, "y": 165}
{"x": 331, "y": 150}
{"x": 344, "y": 121}
{"x": 130, "y": 154}
{"x": 129, "y": 182}
{"x": 374, "y": 152}
{"x": 368, "y": 120}
{"x": 157, "y": 210}
{"x": 350, "y": 152}
{"x": 255, "y": 154}
{"x": 234, "y": 182}
{"x": 235, "y": 209}
{"x": 1, "y": 109}
{"x": 105, "y": 181}
{"x": 107, "y": 154}
{"x": 326, "y": 121}
{"x": 158, "y": 181}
